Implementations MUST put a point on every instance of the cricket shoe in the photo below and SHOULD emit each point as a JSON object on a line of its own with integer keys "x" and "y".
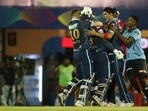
{"x": 79, "y": 103}
{"x": 145, "y": 99}
{"x": 123, "y": 104}
{"x": 98, "y": 100}
{"x": 110, "y": 104}
{"x": 62, "y": 99}
{"x": 93, "y": 103}
{"x": 145, "y": 104}
{"x": 102, "y": 104}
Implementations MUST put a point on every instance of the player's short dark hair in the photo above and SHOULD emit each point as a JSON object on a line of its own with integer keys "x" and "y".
{"x": 136, "y": 18}
{"x": 74, "y": 11}
{"x": 109, "y": 10}
{"x": 115, "y": 10}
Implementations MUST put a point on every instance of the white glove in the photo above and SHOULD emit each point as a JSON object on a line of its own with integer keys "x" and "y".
{"x": 87, "y": 11}
{"x": 118, "y": 54}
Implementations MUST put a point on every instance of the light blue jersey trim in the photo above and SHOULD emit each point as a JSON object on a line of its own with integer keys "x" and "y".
{"x": 90, "y": 63}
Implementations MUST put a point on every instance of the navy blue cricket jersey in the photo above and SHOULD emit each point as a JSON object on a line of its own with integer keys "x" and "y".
{"x": 77, "y": 29}
{"x": 100, "y": 43}
{"x": 116, "y": 42}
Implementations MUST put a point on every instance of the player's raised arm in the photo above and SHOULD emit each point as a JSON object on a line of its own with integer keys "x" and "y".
{"x": 107, "y": 35}
{"x": 125, "y": 40}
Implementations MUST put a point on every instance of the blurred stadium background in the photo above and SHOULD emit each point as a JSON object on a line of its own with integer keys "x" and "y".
{"x": 42, "y": 24}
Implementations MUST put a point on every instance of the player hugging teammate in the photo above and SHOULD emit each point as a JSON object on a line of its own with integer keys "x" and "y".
{"x": 99, "y": 59}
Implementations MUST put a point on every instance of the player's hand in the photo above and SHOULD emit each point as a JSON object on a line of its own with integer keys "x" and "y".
{"x": 90, "y": 32}
{"x": 118, "y": 54}
{"x": 105, "y": 27}
{"x": 113, "y": 28}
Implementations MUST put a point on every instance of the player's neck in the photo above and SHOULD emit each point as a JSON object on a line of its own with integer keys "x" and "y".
{"x": 75, "y": 18}
{"x": 130, "y": 29}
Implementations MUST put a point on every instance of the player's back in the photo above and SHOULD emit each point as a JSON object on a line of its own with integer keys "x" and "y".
{"x": 96, "y": 42}
{"x": 77, "y": 29}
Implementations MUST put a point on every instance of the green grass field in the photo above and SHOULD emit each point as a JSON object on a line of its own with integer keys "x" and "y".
{"x": 58, "y": 108}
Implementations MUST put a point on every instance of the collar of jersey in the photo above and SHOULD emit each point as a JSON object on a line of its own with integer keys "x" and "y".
{"x": 112, "y": 20}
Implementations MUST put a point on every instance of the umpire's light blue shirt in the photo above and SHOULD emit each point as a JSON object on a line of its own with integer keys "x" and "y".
{"x": 134, "y": 50}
